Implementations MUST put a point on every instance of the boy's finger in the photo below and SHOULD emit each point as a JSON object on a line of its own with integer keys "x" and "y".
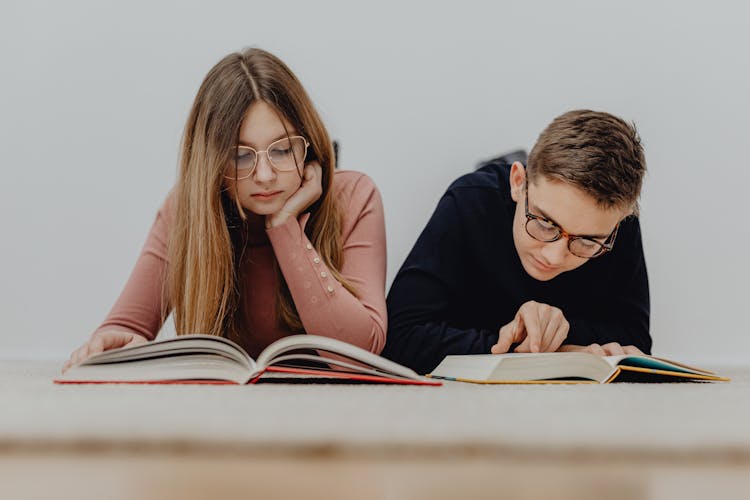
{"x": 560, "y": 335}
{"x": 504, "y": 339}
{"x": 533, "y": 328}
{"x": 631, "y": 349}
{"x": 596, "y": 349}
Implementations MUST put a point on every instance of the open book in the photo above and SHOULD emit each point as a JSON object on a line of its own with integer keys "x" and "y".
{"x": 565, "y": 367}
{"x": 211, "y": 359}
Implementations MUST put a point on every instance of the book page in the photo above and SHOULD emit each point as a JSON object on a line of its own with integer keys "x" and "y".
{"x": 181, "y": 346}
{"x": 194, "y": 367}
{"x": 272, "y": 354}
{"x": 522, "y": 367}
{"x": 337, "y": 364}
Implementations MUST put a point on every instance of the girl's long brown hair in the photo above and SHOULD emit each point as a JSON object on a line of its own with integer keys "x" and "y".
{"x": 208, "y": 233}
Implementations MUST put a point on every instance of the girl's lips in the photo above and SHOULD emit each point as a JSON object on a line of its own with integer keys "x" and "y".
{"x": 265, "y": 196}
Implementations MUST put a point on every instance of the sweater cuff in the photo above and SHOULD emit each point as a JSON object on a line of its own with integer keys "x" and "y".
{"x": 292, "y": 228}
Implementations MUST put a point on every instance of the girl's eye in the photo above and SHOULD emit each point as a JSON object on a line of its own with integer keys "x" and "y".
{"x": 281, "y": 152}
{"x": 245, "y": 156}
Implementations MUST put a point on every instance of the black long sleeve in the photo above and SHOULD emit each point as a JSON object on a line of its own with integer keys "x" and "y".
{"x": 463, "y": 280}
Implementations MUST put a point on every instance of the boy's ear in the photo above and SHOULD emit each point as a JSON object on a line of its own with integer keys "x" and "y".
{"x": 517, "y": 180}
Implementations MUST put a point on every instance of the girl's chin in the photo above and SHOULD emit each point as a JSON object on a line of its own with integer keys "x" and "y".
{"x": 261, "y": 208}
{"x": 261, "y": 213}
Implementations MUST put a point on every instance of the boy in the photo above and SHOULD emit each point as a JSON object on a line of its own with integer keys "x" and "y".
{"x": 542, "y": 257}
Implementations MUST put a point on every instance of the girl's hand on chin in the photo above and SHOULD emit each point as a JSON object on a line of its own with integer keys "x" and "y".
{"x": 308, "y": 193}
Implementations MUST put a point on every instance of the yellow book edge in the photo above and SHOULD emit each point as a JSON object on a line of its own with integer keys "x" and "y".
{"x": 511, "y": 382}
{"x": 615, "y": 373}
{"x": 696, "y": 376}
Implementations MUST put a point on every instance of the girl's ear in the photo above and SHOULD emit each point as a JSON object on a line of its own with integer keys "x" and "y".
{"x": 517, "y": 180}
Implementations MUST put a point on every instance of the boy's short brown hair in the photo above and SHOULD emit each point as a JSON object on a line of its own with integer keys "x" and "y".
{"x": 595, "y": 151}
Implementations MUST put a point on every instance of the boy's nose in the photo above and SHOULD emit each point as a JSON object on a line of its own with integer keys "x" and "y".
{"x": 556, "y": 252}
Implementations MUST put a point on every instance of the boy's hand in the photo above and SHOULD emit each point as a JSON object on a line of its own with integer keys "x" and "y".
{"x": 539, "y": 328}
{"x": 103, "y": 341}
{"x": 611, "y": 349}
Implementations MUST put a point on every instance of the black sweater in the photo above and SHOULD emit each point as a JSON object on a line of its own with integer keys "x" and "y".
{"x": 463, "y": 280}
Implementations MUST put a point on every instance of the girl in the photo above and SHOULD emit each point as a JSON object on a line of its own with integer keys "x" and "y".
{"x": 260, "y": 238}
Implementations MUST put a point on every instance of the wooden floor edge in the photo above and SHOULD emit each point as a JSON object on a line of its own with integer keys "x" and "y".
{"x": 685, "y": 455}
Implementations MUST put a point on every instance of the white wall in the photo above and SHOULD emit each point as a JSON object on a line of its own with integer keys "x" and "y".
{"x": 94, "y": 96}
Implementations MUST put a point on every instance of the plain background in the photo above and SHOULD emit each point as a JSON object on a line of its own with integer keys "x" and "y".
{"x": 95, "y": 95}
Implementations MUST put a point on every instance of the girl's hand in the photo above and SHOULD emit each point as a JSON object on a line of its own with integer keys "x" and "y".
{"x": 101, "y": 342}
{"x": 308, "y": 193}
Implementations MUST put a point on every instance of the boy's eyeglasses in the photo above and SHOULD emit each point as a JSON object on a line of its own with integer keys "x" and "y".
{"x": 543, "y": 229}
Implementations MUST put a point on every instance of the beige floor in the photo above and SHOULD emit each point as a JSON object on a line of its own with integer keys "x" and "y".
{"x": 670, "y": 441}
{"x": 154, "y": 476}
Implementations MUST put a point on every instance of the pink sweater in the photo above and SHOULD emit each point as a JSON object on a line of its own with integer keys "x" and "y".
{"x": 324, "y": 305}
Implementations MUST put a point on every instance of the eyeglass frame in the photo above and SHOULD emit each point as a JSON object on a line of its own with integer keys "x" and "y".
{"x": 607, "y": 246}
{"x": 270, "y": 161}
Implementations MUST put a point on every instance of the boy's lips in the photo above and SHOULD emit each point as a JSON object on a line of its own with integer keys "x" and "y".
{"x": 544, "y": 267}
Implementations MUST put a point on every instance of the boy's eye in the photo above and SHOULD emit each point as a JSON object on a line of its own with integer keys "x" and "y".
{"x": 587, "y": 243}
{"x": 546, "y": 225}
